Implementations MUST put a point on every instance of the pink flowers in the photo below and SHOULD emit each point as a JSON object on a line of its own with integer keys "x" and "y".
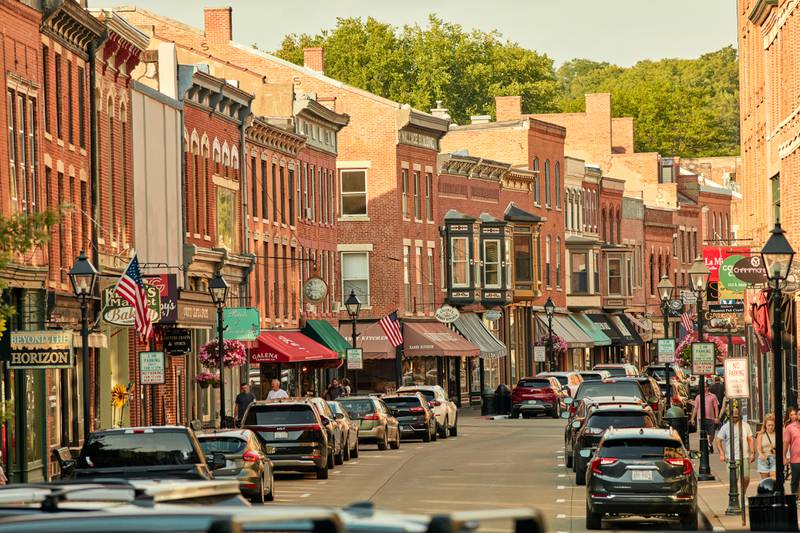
{"x": 207, "y": 378}
{"x": 559, "y": 344}
{"x": 235, "y": 354}
{"x": 683, "y": 351}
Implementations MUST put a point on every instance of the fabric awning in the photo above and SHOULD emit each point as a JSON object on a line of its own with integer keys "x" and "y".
{"x": 469, "y": 325}
{"x": 371, "y": 339}
{"x": 325, "y": 334}
{"x": 96, "y": 340}
{"x": 610, "y": 328}
{"x": 565, "y": 328}
{"x": 290, "y": 347}
{"x": 434, "y": 339}
{"x": 590, "y": 328}
{"x": 644, "y": 327}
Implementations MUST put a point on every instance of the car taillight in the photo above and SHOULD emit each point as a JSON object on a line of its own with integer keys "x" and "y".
{"x": 677, "y": 400}
{"x": 654, "y": 406}
{"x": 597, "y": 462}
{"x": 435, "y": 403}
{"x": 417, "y": 410}
{"x": 250, "y": 457}
{"x": 571, "y": 410}
{"x": 372, "y": 416}
{"x": 685, "y": 463}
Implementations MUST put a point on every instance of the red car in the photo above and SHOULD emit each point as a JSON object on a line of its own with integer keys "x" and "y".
{"x": 533, "y": 396}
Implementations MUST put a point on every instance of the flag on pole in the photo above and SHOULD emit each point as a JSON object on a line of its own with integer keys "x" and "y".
{"x": 391, "y": 326}
{"x": 687, "y": 321}
{"x": 131, "y": 289}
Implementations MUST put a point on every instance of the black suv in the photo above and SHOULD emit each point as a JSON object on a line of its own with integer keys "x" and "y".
{"x": 294, "y": 428}
{"x": 157, "y": 452}
{"x": 415, "y": 417}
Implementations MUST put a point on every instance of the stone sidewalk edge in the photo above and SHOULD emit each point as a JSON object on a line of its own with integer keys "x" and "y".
{"x": 709, "y": 521}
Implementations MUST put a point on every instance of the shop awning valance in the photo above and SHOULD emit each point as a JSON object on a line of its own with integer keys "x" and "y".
{"x": 590, "y": 328}
{"x": 434, "y": 339}
{"x": 643, "y": 326}
{"x": 470, "y": 326}
{"x": 627, "y": 329}
{"x": 371, "y": 339}
{"x": 289, "y": 347}
{"x": 325, "y": 334}
{"x": 610, "y": 326}
{"x": 567, "y": 330}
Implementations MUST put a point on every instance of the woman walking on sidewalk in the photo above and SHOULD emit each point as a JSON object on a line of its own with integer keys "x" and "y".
{"x": 765, "y": 444}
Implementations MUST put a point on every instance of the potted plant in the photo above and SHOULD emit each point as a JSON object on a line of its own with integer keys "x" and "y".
{"x": 683, "y": 351}
{"x": 559, "y": 344}
{"x": 234, "y": 353}
{"x": 206, "y": 378}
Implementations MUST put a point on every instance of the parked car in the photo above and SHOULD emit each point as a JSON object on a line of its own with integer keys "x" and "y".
{"x": 594, "y": 375}
{"x": 597, "y": 422}
{"x": 641, "y": 472}
{"x": 607, "y": 387}
{"x": 376, "y": 423}
{"x": 570, "y": 380}
{"x": 653, "y": 395}
{"x": 415, "y": 416}
{"x": 445, "y": 411}
{"x": 618, "y": 370}
{"x": 659, "y": 372}
{"x": 351, "y": 438}
{"x": 337, "y": 428}
{"x": 680, "y": 396}
{"x": 533, "y": 396}
{"x": 246, "y": 461}
{"x": 297, "y": 433}
{"x": 155, "y": 452}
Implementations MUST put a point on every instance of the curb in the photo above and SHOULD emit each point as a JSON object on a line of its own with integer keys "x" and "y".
{"x": 495, "y": 417}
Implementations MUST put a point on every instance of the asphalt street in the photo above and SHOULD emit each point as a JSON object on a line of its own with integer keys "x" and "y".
{"x": 492, "y": 464}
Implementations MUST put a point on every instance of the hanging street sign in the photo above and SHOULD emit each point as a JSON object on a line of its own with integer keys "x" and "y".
{"x": 666, "y": 350}
{"x": 703, "y": 358}
{"x": 151, "y": 368}
{"x": 177, "y": 341}
{"x": 119, "y": 312}
{"x": 355, "y": 359}
{"x": 241, "y": 323}
{"x": 737, "y": 377}
{"x": 446, "y": 314}
{"x": 41, "y": 349}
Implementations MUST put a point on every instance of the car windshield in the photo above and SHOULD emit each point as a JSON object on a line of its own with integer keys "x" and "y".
{"x": 403, "y": 401}
{"x": 534, "y": 383}
{"x": 278, "y": 415}
{"x": 121, "y": 449}
{"x": 619, "y": 420}
{"x": 211, "y": 445}
{"x": 589, "y": 389}
{"x": 660, "y": 374}
{"x": 561, "y": 379}
{"x": 334, "y": 406}
{"x": 642, "y": 448}
{"x": 358, "y": 408}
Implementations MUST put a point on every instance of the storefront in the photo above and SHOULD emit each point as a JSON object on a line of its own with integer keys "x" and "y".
{"x": 198, "y": 315}
{"x": 626, "y": 345}
{"x": 599, "y": 339}
{"x": 578, "y": 342}
{"x": 295, "y": 359}
{"x": 433, "y": 354}
{"x": 486, "y": 374}
{"x": 380, "y": 370}
{"x": 325, "y": 334}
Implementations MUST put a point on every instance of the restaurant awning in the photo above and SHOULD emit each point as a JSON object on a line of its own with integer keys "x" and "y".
{"x": 434, "y": 339}
{"x": 469, "y": 325}
{"x": 371, "y": 339}
{"x": 610, "y": 328}
{"x": 290, "y": 347}
{"x": 590, "y": 328}
{"x": 325, "y": 334}
{"x": 565, "y": 328}
{"x": 627, "y": 329}
{"x": 643, "y": 326}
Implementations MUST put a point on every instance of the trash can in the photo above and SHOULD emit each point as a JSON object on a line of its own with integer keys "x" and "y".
{"x": 676, "y": 418}
{"x": 768, "y": 513}
{"x": 502, "y": 399}
{"x": 488, "y": 405}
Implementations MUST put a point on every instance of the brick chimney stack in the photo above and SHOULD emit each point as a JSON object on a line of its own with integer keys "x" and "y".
{"x": 508, "y": 107}
{"x": 314, "y": 58}
{"x": 218, "y": 25}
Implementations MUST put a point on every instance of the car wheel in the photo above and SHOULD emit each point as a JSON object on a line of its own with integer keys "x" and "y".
{"x": 434, "y": 433}
{"x": 331, "y": 460}
{"x": 396, "y": 444}
{"x": 339, "y": 457}
{"x": 454, "y": 429}
{"x": 354, "y": 453}
{"x": 514, "y": 414}
{"x": 580, "y": 475}
{"x": 322, "y": 472}
{"x": 556, "y": 412}
{"x": 271, "y": 494}
{"x": 443, "y": 431}
{"x": 689, "y": 521}
{"x": 383, "y": 444}
{"x": 258, "y": 497}
{"x": 593, "y": 520}
{"x": 568, "y": 459}
{"x": 427, "y": 436}
{"x": 346, "y": 451}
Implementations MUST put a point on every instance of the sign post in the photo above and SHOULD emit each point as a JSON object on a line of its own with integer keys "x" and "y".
{"x": 355, "y": 359}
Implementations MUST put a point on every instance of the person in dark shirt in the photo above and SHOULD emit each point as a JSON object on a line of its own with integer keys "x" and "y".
{"x": 243, "y": 400}
{"x": 334, "y": 390}
{"x": 718, "y": 389}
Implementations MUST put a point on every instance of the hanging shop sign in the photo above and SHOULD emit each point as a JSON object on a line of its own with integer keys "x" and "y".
{"x": 539, "y": 354}
{"x": 167, "y": 285}
{"x": 355, "y": 359}
{"x": 737, "y": 377}
{"x": 492, "y": 315}
{"x": 119, "y": 312}
{"x": 703, "y": 358}
{"x": 241, "y": 323}
{"x": 446, "y": 314}
{"x": 177, "y": 341}
{"x": 714, "y": 256}
{"x": 41, "y": 349}
{"x": 151, "y": 368}
{"x": 725, "y": 316}
{"x": 666, "y": 350}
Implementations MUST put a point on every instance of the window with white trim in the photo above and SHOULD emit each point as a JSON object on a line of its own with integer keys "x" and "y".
{"x": 407, "y": 276}
{"x": 353, "y": 192}
{"x": 491, "y": 264}
{"x": 355, "y": 275}
{"x": 459, "y": 260}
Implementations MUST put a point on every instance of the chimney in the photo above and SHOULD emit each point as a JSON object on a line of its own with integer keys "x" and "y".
{"x": 480, "y": 119}
{"x": 440, "y": 112}
{"x": 508, "y": 107}
{"x": 314, "y": 58}
{"x": 218, "y": 26}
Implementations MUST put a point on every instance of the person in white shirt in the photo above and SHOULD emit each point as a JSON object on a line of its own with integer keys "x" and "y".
{"x": 723, "y": 441}
{"x": 276, "y": 392}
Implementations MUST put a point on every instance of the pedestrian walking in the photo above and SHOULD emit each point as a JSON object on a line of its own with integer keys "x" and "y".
{"x": 242, "y": 401}
{"x": 718, "y": 389}
{"x": 334, "y": 390}
{"x": 711, "y": 415}
{"x": 730, "y": 430}
{"x": 346, "y": 387}
{"x": 765, "y": 445}
{"x": 791, "y": 442}
{"x": 276, "y": 392}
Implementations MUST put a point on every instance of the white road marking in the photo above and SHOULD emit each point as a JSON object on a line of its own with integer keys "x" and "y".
{"x": 561, "y": 464}
{"x": 561, "y": 516}
{"x": 561, "y": 500}
{"x": 564, "y": 475}
{"x": 306, "y": 495}
{"x": 561, "y": 487}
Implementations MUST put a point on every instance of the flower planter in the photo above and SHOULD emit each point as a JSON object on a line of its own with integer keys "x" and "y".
{"x": 204, "y": 384}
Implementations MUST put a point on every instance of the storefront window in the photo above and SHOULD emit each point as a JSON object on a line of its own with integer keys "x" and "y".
{"x": 491, "y": 264}
{"x": 226, "y": 218}
{"x": 522, "y": 258}
{"x": 459, "y": 254}
{"x": 34, "y": 382}
{"x": 53, "y": 382}
{"x": 580, "y": 273}
{"x": 420, "y": 371}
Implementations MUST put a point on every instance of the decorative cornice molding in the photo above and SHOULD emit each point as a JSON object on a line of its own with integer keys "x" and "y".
{"x": 261, "y": 132}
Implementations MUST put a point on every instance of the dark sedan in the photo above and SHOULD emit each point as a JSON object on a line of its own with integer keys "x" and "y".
{"x": 415, "y": 417}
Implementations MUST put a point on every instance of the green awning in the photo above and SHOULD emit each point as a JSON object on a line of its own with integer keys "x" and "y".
{"x": 586, "y": 324}
{"x": 325, "y": 334}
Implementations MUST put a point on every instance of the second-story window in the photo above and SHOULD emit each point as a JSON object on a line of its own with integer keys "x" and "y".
{"x": 291, "y": 198}
{"x": 355, "y": 275}
{"x": 274, "y": 192}
{"x": 417, "y": 204}
{"x": 407, "y": 276}
{"x": 264, "y": 190}
{"x": 59, "y": 97}
{"x": 536, "y": 199}
{"x": 353, "y": 192}
{"x": 429, "y": 197}
{"x": 491, "y": 264}
{"x": 459, "y": 260}
{"x": 547, "y": 183}
{"x": 615, "y": 276}
{"x": 254, "y": 182}
{"x": 579, "y": 282}
{"x": 404, "y": 197}
{"x": 431, "y": 292}
{"x": 557, "y": 188}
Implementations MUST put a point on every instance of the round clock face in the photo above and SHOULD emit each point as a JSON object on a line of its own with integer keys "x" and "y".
{"x": 315, "y": 289}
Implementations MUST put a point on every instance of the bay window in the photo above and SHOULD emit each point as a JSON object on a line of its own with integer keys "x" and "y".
{"x": 459, "y": 260}
{"x": 226, "y": 218}
{"x": 491, "y": 264}
{"x": 579, "y": 282}
{"x": 523, "y": 253}
{"x": 615, "y": 276}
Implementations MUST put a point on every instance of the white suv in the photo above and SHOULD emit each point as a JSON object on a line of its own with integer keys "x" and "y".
{"x": 445, "y": 411}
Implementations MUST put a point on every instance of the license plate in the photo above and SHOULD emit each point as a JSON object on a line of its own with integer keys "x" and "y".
{"x": 642, "y": 475}
{"x": 281, "y": 434}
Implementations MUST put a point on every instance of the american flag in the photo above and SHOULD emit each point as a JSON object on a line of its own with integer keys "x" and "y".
{"x": 687, "y": 321}
{"x": 391, "y": 326}
{"x": 131, "y": 289}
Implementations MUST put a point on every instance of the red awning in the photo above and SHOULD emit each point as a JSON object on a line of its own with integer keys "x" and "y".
{"x": 431, "y": 339}
{"x": 289, "y": 347}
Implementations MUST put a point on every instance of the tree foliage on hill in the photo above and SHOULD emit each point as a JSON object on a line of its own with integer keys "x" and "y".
{"x": 681, "y": 107}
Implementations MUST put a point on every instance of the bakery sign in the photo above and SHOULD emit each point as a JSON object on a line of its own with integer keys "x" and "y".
{"x": 41, "y": 349}
{"x": 118, "y": 311}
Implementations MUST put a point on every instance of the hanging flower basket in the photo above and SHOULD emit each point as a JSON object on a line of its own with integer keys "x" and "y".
{"x": 559, "y": 344}
{"x": 235, "y": 354}
{"x": 683, "y": 351}
{"x": 206, "y": 378}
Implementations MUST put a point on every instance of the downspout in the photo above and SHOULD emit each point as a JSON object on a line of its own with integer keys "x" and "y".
{"x": 243, "y": 161}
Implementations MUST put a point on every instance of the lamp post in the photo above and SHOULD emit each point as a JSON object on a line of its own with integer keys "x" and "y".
{"x": 665, "y": 290}
{"x": 698, "y": 275}
{"x": 777, "y": 256}
{"x": 549, "y": 309}
{"x": 83, "y": 277}
{"x": 218, "y": 288}
{"x": 353, "y": 305}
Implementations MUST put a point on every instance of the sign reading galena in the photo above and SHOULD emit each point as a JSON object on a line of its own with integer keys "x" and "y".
{"x": 41, "y": 349}
{"x": 446, "y": 314}
{"x": 119, "y": 312}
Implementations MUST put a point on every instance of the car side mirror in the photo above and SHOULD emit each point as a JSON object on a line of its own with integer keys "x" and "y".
{"x": 216, "y": 461}
{"x": 576, "y": 424}
{"x": 339, "y": 416}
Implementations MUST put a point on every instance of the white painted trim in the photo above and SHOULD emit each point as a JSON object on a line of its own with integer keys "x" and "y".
{"x": 353, "y": 164}
{"x": 354, "y": 247}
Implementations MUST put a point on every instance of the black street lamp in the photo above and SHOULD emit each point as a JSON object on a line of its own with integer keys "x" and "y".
{"x": 777, "y": 256}
{"x": 353, "y": 305}
{"x": 218, "y": 288}
{"x": 698, "y": 276}
{"x": 665, "y": 290}
{"x": 549, "y": 309}
{"x": 83, "y": 277}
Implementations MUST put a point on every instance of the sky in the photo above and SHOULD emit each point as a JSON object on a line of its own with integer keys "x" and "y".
{"x": 618, "y": 31}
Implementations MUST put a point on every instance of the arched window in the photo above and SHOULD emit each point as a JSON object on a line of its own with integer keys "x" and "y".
{"x": 594, "y": 209}
{"x": 619, "y": 226}
{"x": 558, "y": 262}
{"x": 652, "y": 276}
{"x": 725, "y": 227}
{"x": 603, "y": 234}
{"x": 713, "y": 226}
{"x": 112, "y": 151}
{"x": 568, "y": 215}
{"x": 547, "y": 182}
{"x": 660, "y": 266}
{"x": 557, "y": 188}
{"x": 547, "y": 279}
{"x": 536, "y": 198}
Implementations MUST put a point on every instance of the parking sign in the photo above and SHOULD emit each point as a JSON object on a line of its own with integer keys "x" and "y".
{"x": 666, "y": 350}
{"x": 539, "y": 354}
{"x": 703, "y": 358}
{"x": 737, "y": 378}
